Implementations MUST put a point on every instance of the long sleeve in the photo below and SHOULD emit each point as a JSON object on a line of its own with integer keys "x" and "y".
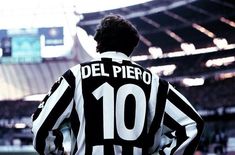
{"x": 182, "y": 126}
{"x": 50, "y": 115}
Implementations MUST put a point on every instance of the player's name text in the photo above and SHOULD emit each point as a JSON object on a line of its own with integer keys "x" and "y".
{"x": 129, "y": 72}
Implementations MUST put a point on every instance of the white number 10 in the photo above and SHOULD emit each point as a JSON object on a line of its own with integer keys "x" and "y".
{"x": 107, "y": 92}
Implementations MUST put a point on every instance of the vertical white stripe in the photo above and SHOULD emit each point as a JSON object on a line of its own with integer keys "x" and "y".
{"x": 151, "y": 111}
{"x": 73, "y": 142}
{"x": 98, "y": 150}
{"x": 117, "y": 150}
{"x": 177, "y": 114}
{"x": 79, "y": 101}
{"x": 137, "y": 151}
{"x": 81, "y": 134}
{"x": 152, "y": 100}
{"x": 157, "y": 140}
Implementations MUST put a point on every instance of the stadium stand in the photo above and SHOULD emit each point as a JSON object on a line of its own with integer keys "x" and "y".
{"x": 20, "y": 80}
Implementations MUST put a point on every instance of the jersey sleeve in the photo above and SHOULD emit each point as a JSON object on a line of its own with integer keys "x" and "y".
{"x": 51, "y": 114}
{"x": 182, "y": 125}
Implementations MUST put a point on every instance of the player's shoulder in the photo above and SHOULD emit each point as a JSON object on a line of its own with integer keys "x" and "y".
{"x": 73, "y": 72}
{"x": 76, "y": 69}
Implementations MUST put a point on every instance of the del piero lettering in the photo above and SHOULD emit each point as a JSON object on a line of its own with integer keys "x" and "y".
{"x": 94, "y": 69}
{"x": 124, "y": 71}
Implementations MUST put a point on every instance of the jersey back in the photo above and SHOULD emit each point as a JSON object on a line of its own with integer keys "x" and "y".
{"x": 116, "y": 96}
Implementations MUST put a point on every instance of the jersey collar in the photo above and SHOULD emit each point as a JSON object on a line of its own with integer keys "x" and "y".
{"x": 115, "y": 55}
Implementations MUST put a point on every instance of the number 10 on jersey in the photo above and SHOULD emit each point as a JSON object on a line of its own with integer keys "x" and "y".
{"x": 106, "y": 91}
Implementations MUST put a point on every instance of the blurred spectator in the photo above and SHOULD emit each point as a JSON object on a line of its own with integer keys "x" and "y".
{"x": 17, "y": 109}
{"x": 219, "y": 141}
{"x": 198, "y": 153}
{"x": 213, "y": 94}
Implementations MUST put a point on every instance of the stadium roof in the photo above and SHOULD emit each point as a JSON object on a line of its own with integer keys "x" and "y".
{"x": 168, "y": 23}
{"x": 162, "y": 23}
{"x": 32, "y": 13}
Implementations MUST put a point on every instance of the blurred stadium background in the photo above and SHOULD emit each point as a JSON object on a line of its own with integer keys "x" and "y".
{"x": 190, "y": 43}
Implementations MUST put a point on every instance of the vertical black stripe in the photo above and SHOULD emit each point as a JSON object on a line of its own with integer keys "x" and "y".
{"x": 127, "y": 150}
{"x": 179, "y": 103}
{"x": 180, "y": 134}
{"x": 107, "y": 66}
{"x": 70, "y": 78}
{"x": 75, "y": 124}
{"x": 88, "y": 149}
{"x": 59, "y": 139}
{"x": 159, "y": 111}
{"x": 108, "y": 149}
{"x": 59, "y": 108}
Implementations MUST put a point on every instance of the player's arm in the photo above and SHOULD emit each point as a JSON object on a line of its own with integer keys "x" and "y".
{"x": 182, "y": 125}
{"x": 50, "y": 115}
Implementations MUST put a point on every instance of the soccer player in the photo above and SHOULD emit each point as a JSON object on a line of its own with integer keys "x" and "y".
{"x": 113, "y": 106}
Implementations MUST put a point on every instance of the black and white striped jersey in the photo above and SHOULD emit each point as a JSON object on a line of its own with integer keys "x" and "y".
{"x": 115, "y": 107}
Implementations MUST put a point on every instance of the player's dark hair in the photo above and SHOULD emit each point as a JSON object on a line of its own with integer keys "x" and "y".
{"x": 114, "y": 33}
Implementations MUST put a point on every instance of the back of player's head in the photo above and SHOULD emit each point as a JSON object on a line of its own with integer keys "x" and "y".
{"x": 114, "y": 33}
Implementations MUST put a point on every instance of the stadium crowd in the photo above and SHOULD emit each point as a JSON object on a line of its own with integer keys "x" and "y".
{"x": 212, "y": 95}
